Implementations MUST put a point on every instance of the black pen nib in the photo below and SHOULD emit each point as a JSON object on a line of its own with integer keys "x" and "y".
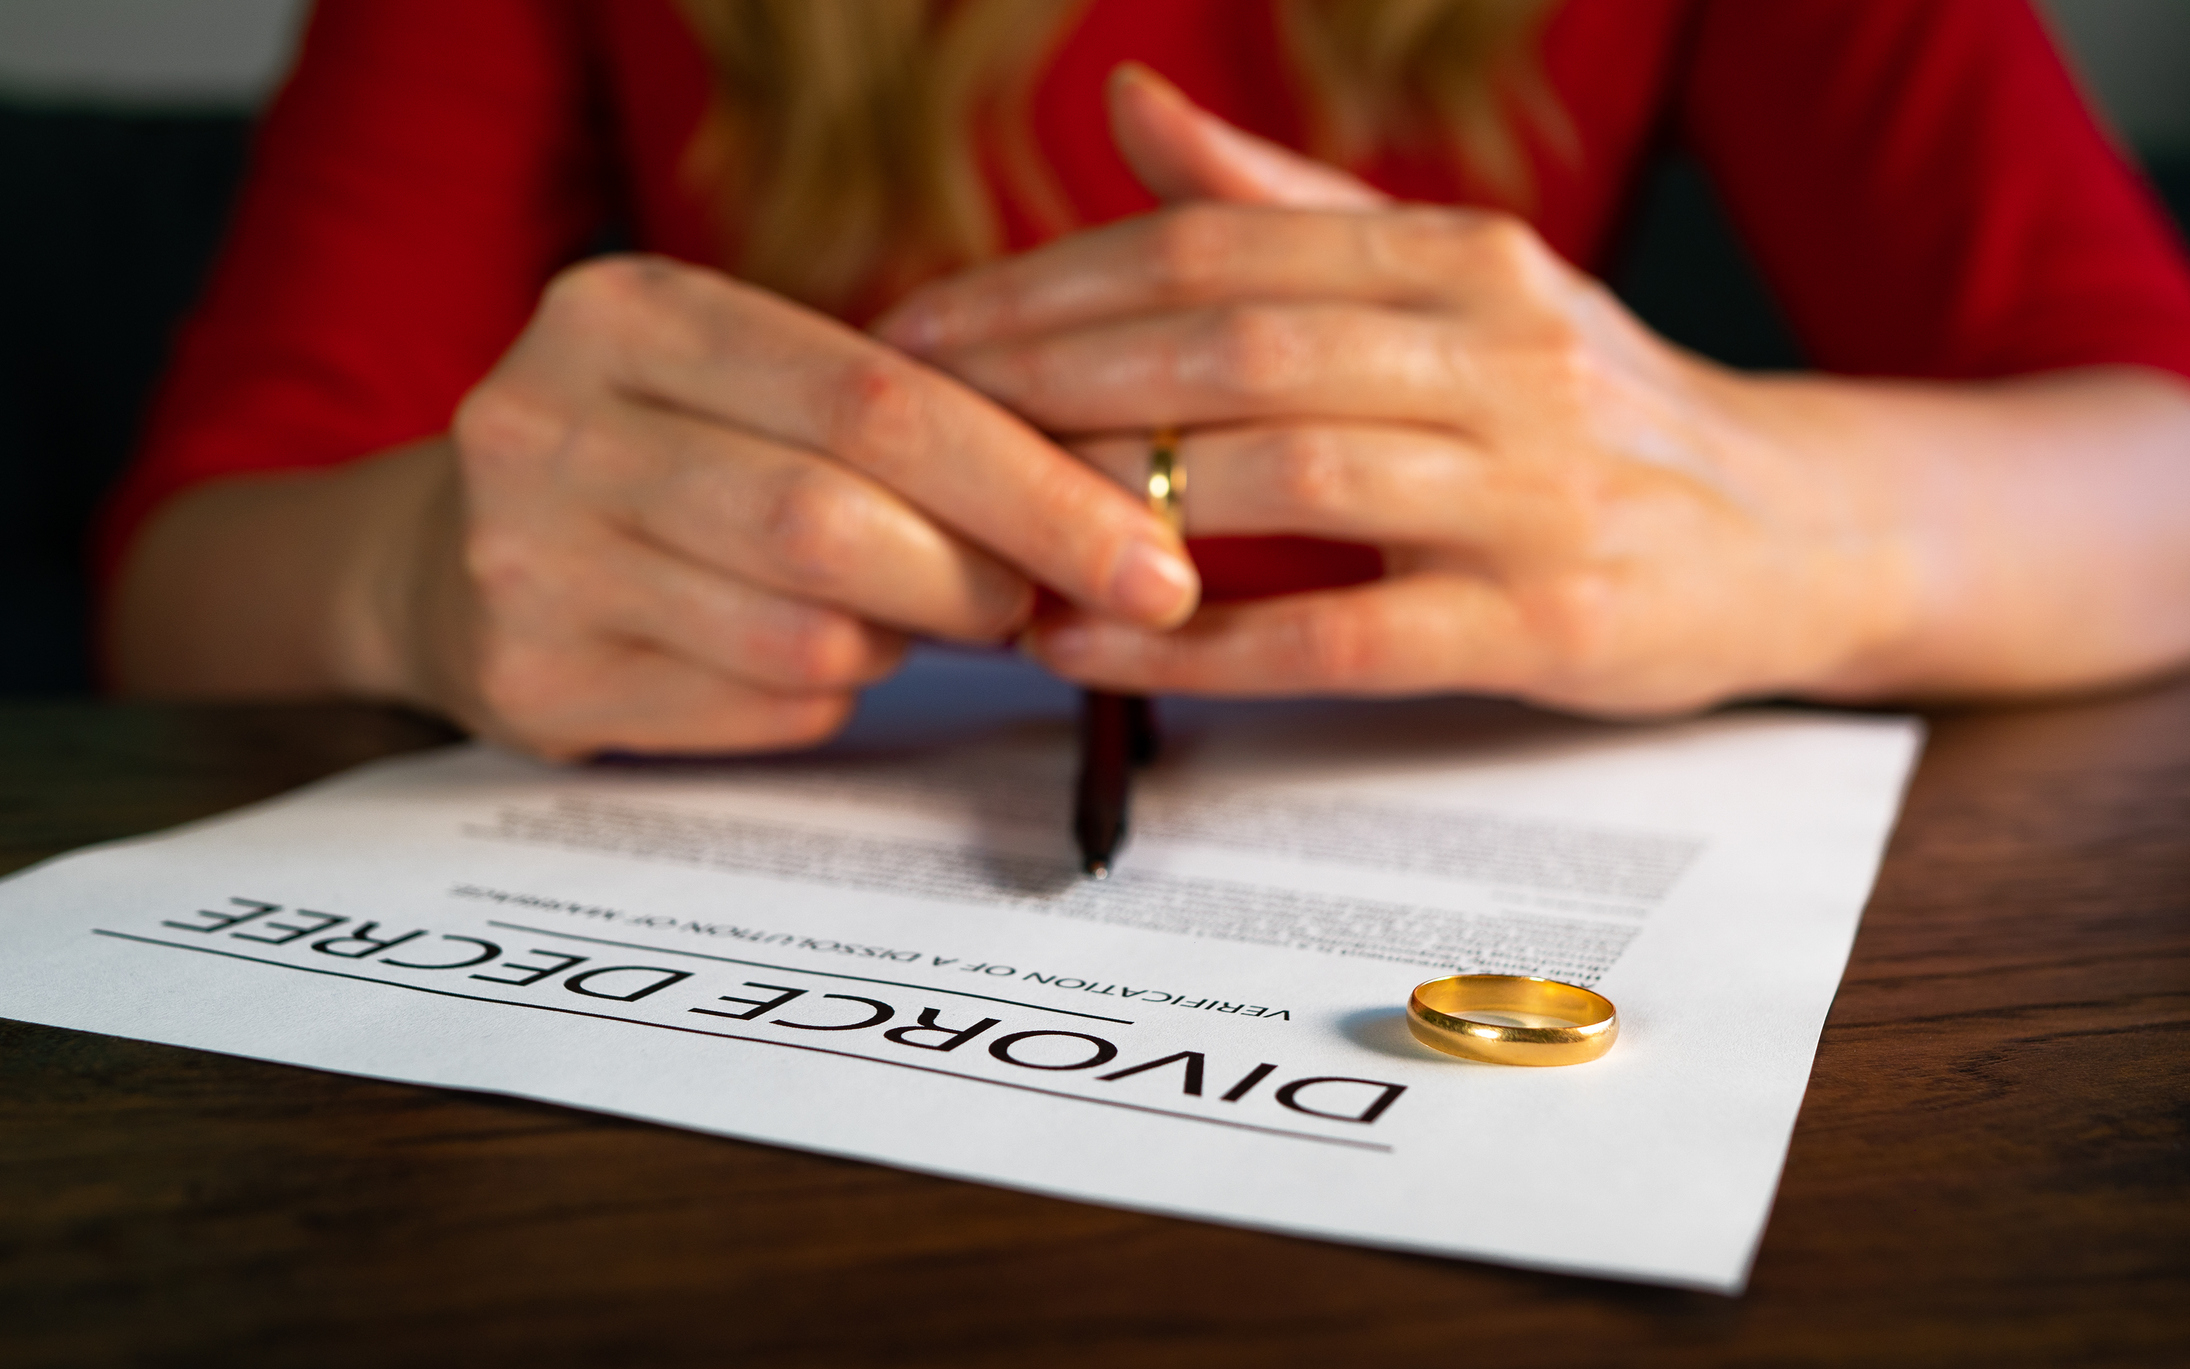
{"x": 1099, "y": 869}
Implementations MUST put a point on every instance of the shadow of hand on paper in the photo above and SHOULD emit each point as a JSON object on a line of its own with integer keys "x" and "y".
{"x": 1036, "y": 878}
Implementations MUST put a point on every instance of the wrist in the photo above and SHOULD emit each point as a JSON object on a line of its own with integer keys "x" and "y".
{"x": 1839, "y": 513}
{"x": 400, "y": 545}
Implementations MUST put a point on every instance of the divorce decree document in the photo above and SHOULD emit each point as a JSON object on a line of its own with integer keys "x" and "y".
{"x": 885, "y": 951}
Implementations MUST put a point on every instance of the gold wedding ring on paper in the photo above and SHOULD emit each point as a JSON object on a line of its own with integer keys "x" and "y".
{"x": 1512, "y": 1019}
{"x": 1167, "y": 479}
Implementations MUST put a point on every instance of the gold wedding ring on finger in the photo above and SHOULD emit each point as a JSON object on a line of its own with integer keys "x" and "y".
{"x": 1167, "y": 479}
{"x": 1512, "y": 1019}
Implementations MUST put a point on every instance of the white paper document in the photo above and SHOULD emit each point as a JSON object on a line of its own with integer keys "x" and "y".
{"x": 885, "y": 951}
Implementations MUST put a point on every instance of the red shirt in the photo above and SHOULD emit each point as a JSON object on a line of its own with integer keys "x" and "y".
{"x": 1919, "y": 180}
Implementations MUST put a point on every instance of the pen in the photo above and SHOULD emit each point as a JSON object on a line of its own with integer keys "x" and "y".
{"x": 1118, "y": 731}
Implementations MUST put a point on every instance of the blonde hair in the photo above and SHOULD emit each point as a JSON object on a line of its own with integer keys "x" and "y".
{"x": 846, "y": 143}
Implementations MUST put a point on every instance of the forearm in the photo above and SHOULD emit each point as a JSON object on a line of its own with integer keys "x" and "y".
{"x": 2043, "y": 524}
{"x": 289, "y": 585}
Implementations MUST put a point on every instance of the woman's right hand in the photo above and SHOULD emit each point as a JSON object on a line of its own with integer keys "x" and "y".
{"x": 685, "y": 515}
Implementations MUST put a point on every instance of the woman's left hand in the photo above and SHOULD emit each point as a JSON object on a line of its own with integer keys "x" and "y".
{"x": 1570, "y": 510}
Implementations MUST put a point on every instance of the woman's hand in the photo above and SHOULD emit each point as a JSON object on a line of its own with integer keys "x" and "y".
{"x": 1569, "y": 509}
{"x": 699, "y": 517}
{"x": 681, "y": 514}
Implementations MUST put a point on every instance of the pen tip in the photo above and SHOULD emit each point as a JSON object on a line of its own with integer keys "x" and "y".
{"x": 1100, "y": 869}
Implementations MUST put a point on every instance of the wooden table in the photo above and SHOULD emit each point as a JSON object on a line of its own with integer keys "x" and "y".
{"x": 1991, "y": 1167}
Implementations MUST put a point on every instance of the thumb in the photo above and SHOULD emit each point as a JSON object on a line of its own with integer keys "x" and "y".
{"x": 1183, "y": 152}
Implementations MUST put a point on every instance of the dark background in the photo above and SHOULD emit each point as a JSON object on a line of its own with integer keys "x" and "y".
{"x": 108, "y": 219}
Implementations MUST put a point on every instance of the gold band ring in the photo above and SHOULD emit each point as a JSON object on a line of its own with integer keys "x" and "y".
{"x": 1512, "y": 1019}
{"x": 1167, "y": 479}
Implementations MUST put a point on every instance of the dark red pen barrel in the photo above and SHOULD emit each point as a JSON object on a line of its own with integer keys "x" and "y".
{"x": 1113, "y": 727}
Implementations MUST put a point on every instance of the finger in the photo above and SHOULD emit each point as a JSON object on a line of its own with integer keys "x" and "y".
{"x": 1181, "y": 151}
{"x": 1238, "y": 364}
{"x": 739, "y": 631}
{"x": 1351, "y": 482}
{"x": 613, "y": 695}
{"x": 803, "y": 525}
{"x": 1410, "y": 635}
{"x": 698, "y": 341}
{"x": 1404, "y": 257}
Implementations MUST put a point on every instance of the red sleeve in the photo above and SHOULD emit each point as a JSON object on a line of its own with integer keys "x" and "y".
{"x": 1927, "y": 192}
{"x": 425, "y": 170}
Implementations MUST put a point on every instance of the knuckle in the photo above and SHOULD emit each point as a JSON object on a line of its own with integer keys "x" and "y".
{"x": 811, "y": 528}
{"x": 1335, "y": 649}
{"x": 524, "y": 580}
{"x": 1189, "y": 248}
{"x": 820, "y": 650}
{"x": 1558, "y": 366}
{"x": 1034, "y": 379}
{"x": 1577, "y": 622}
{"x": 877, "y": 411}
{"x": 1257, "y": 352}
{"x": 502, "y": 427}
{"x": 1562, "y": 331}
{"x": 1417, "y": 241}
{"x": 1427, "y": 227}
{"x": 1309, "y": 472}
{"x": 1012, "y": 294}
{"x": 614, "y": 283}
{"x": 602, "y": 291}
{"x": 1507, "y": 246}
{"x": 502, "y": 563}
{"x": 612, "y": 306}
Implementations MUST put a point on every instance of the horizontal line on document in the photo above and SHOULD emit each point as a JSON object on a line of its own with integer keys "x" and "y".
{"x": 759, "y": 1041}
{"x": 794, "y": 969}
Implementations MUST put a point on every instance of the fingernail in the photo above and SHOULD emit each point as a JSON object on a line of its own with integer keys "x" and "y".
{"x": 1148, "y": 78}
{"x": 1154, "y": 585}
{"x": 914, "y": 329}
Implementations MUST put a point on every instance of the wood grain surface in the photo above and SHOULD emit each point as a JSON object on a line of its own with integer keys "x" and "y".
{"x": 1992, "y": 1166}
